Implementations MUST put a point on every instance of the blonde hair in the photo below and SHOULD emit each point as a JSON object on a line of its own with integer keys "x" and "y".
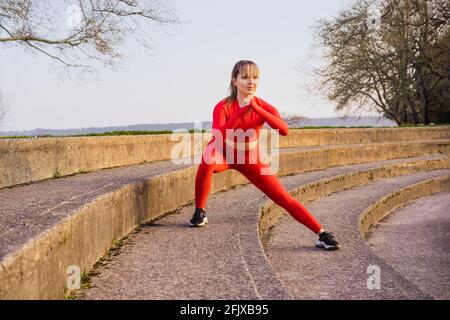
{"x": 239, "y": 67}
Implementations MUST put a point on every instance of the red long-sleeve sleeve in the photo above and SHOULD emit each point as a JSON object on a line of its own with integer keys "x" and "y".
{"x": 272, "y": 117}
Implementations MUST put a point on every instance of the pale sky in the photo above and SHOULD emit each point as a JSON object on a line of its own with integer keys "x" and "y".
{"x": 184, "y": 76}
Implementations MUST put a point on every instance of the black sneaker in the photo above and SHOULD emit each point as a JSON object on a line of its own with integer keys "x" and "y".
{"x": 199, "y": 218}
{"x": 327, "y": 241}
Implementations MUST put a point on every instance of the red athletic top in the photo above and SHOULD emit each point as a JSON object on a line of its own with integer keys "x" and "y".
{"x": 259, "y": 172}
{"x": 232, "y": 116}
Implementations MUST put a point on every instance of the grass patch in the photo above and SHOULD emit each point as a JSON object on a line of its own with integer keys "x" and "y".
{"x": 122, "y": 133}
{"x": 408, "y": 125}
{"x": 14, "y": 137}
{"x": 57, "y": 174}
{"x": 137, "y": 132}
{"x": 333, "y": 127}
{"x": 109, "y": 133}
{"x": 86, "y": 278}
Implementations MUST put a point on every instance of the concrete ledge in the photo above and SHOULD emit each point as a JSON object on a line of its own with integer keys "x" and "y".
{"x": 27, "y": 160}
{"x": 398, "y": 198}
{"x": 316, "y": 159}
{"x": 38, "y": 269}
{"x": 321, "y": 137}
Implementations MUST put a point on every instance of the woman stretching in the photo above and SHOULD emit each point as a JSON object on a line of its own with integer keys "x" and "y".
{"x": 242, "y": 115}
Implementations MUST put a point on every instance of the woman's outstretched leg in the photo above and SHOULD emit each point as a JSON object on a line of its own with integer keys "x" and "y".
{"x": 272, "y": 187}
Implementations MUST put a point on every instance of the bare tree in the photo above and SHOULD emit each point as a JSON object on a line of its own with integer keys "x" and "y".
{"x": 394, "y": 61}
{"x": 79, "y": 33}
{"x": 431, "y": 61}
{"x": 294, "y": 120}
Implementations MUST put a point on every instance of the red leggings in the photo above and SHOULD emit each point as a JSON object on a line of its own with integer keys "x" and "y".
{"x": 267, "y": 183}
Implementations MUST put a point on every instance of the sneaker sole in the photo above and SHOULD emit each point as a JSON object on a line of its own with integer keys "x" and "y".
{"x": 205, "y": 221}
{"x": 321, "y": 244}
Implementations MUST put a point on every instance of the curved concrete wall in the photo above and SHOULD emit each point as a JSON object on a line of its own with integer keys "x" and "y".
{"x": 27, "y": 160}
{"x": 398, "y": 198}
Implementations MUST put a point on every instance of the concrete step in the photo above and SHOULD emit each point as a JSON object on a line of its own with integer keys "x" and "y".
{"x": 309, "y": 273}
{"x": 225, "y": 260}
{"x": 29, "y": 210}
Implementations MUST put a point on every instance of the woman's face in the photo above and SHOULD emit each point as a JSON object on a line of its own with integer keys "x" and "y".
{"x": 246, "y": 82}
